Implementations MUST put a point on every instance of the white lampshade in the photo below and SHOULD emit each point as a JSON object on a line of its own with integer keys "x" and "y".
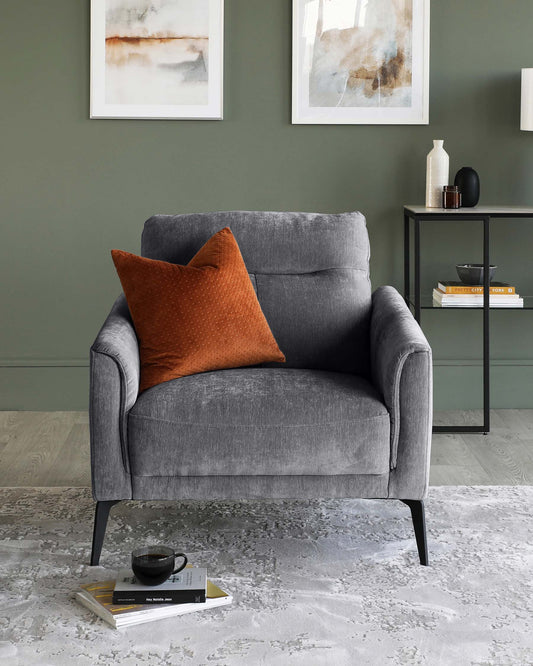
{"x": 526, "y": 115}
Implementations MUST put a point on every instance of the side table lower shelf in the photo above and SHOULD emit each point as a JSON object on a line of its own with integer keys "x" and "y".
{"x": 462, "y": 429}
{"x": 427, "y": 303}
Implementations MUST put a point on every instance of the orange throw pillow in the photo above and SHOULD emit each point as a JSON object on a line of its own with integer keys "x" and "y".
{"x": 195, "y": 318}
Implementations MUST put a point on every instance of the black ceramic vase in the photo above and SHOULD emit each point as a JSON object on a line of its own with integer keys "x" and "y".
{"x": 467, "y": 181}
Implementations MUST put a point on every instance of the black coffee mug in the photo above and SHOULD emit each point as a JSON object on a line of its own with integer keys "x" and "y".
{"x": 153, "y": 565}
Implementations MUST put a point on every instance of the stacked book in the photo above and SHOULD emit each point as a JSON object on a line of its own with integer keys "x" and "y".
{"x": 124, "y": 602}
{"x": 449, "y": 294}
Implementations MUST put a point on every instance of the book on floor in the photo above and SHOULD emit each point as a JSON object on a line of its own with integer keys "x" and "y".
{"x": 455, "y": 287}
{"x": 98, "y": 597}
{"x": 187, "y": 586}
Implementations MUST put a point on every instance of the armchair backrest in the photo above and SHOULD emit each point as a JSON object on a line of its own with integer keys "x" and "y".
{"x": 310, "y": 272}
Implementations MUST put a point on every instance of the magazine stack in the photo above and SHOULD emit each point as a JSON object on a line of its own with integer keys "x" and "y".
{"x": 123, "y": 602}
{"x": 449, "y": 294}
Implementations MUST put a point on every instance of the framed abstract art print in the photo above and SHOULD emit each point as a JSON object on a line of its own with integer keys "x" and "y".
{"x": 157, "y": 59}
{"x": 360, "y": 62}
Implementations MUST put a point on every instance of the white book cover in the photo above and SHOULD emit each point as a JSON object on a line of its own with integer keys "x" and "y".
{"x": 446, "y": 304}
{"x": 189, "y": 578}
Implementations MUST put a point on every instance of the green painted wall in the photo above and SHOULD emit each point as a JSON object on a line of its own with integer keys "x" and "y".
{"x": 73, "y": 188}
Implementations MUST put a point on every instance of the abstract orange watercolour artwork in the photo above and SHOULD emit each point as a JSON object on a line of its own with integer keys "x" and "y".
{"x": 360, "y": 61}
{"x": 156, "y": 58}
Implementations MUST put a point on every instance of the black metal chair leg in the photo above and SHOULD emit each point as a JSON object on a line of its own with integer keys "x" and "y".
{"x": 101, "y": 515}
{"x": 418, "y": 515}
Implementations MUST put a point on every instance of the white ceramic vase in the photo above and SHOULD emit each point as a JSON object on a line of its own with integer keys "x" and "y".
{"x": 437, "y": 174}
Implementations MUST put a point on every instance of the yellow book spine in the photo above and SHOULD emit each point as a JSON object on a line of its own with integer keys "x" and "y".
{"x": 478, "y": 290}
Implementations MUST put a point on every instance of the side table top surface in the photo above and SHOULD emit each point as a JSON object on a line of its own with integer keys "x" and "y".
{"x": 493, "y": 211}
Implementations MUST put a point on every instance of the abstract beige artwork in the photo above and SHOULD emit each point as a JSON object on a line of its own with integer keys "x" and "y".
{"x": 157, "y": 58}
{"x": 360, "y": 61}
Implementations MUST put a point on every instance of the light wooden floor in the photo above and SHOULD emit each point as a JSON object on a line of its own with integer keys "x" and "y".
{"x": 52, "y": 449}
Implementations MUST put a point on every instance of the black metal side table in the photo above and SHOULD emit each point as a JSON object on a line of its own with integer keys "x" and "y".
{"x": 483, "y": 214}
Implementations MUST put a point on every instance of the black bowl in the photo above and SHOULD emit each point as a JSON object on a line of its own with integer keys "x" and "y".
{"x": 474, "y": 273}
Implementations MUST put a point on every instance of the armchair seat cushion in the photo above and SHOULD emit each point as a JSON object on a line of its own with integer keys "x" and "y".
{"x": 260, "y": 421}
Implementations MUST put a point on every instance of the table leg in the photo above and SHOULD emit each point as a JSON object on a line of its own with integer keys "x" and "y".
{"x": 417, "y": 270}
{"x": 486, "y": 325}
{"x": 406, "y": 259}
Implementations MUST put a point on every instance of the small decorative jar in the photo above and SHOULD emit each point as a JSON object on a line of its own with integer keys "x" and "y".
{"x": 451, "y": 197}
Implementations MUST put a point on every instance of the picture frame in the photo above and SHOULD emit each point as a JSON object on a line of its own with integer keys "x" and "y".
{"x": 356, "y": 62}
{"x": 157, "y": 59}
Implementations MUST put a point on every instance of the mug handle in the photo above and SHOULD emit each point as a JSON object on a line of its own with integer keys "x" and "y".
{"x": 185, "y": 560}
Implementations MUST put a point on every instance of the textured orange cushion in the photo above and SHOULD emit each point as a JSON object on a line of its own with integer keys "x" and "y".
{"x": 195, "y": 318}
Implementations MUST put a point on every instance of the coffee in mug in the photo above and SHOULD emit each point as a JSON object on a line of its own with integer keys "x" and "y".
{"x": 153, "y": 565}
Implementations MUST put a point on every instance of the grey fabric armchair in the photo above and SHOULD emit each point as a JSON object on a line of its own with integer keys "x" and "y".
{"x": 348, "y": 415}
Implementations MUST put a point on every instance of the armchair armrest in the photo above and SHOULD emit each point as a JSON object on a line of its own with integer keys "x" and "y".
{"x": 115, "y": 371}
{"x": 402, "y": 370}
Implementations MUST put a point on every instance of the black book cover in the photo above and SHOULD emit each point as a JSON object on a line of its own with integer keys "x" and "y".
{"x": 160, "y": 597}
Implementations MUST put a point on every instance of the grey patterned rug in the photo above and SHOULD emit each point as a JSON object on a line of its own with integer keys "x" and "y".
{"x": 314, "y": 582}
